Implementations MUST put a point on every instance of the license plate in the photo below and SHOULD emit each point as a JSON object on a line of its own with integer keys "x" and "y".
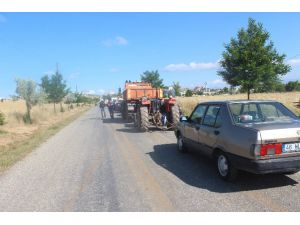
{"x": 291, "y": 147}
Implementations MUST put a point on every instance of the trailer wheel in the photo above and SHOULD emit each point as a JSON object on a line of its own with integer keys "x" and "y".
{"x": 143, "y": 119}
{"x": 175, "y": 114}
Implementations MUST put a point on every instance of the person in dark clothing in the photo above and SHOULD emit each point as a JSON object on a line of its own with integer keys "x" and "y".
{"x": 102, "y": 108}
{"x": 111, "y": 107}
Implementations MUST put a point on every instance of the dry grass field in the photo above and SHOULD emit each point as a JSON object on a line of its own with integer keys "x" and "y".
{"x": 43, "y": 116}
{"x": 18, "y": 138}
{"x": 187, "y": 104}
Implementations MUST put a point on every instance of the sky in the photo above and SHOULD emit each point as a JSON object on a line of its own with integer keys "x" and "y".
{"x": 97, "y": 52}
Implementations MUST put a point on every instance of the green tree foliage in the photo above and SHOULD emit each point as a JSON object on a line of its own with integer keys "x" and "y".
{"x": 70, "y": 98}
{"x": 292, "y": 86}
{"x": 107, "y": 97}
{"x": 81, "y": 98}
{"x": 176, "y": 87}
{"x": 279, "y": 87}
{"x": 225, "y": 90}
{"x": 40, "y": 97}
{"x": 189, "y": 93}
{"x": 55, "y": 88}
{"x": 26, "y": 89}
{"x": 251, "y": 61}
{"x": 152, "y": 77}
{"x": 199, "y": 93}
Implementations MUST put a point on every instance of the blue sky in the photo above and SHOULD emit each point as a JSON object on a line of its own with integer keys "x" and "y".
{"x": 99, "y": 51}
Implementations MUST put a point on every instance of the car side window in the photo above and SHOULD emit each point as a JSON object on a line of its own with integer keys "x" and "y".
{"x": 198, "y": 114}
{"x": 211, "y": 117}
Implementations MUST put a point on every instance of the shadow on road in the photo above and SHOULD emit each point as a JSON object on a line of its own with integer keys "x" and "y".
{"x": 116, "y": 120}
{"x": 91, "y": 118}
{"x": 131, "y": 128}
{"x": 199, "y": 171}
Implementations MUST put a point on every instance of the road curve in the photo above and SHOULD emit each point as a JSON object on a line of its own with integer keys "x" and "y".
{"x": 107, "y": 165}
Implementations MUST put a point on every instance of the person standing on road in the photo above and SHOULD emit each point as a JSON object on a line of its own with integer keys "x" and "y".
{"x": 111, "y": 107}
{"x": 102, "y": 108}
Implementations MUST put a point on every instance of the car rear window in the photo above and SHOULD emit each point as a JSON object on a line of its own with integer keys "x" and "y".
{"x": 260, "y": 112}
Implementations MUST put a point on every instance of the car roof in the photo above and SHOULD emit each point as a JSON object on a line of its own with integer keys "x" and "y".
{"x": 236, "y": 101}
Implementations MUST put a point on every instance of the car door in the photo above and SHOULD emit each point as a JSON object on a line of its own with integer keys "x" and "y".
{"x": 193, "y": 125}
{"x": 210, "y": 128}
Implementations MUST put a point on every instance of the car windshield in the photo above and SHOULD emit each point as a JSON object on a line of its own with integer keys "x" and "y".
{"x": 254, "y": 112}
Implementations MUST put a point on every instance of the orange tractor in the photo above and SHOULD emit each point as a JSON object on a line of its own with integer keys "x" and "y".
{"x": 147, "y": 106}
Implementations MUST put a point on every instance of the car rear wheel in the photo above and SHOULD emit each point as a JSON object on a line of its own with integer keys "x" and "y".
{"x": 225, "y": 170}
{"x": 180, "y": 144}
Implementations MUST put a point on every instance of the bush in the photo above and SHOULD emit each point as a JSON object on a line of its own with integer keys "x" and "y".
{"x": 2, "y": 118}
{"x": 188, "y": 93}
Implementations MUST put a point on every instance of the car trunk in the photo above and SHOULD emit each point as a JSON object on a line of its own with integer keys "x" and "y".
{"x": 284, "y": 132}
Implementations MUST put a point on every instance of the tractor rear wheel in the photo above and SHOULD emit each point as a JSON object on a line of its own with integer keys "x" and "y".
{"x": 124, "y": 111}
{"x": 143, "y": 119}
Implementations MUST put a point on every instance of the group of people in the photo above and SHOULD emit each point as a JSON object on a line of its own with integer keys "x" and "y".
{"x": 110, "y": 105}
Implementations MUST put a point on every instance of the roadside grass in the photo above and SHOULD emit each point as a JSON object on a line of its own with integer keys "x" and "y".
{"x": 16, "y": 151}
{"x": 3, "y": 132}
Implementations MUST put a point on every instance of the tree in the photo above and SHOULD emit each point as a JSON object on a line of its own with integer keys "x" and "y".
{"x": 40, "y": 97}
{"x": 55, "y": 87}
{"x": 251, "y": 60}
{"x": 69, "y": 99}
{"x": 189, "y": 93}
{"x": 26, "y": 89}
{"x": 152, "y": 77}
{"x": 280, "y": 87}
{"x": 292, "y": 86}
{"x": 199, "y": 92}
{"x": 225, "y": 90}
{"x": 176, "y": 88}
{"x": 119, "y": 92}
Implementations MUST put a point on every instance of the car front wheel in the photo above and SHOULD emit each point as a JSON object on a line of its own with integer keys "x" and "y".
{"x": 225, "y": 170}
{"x": 180, "y": 144}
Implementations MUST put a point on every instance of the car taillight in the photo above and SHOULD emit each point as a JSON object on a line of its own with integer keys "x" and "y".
{"x": 270, "y": 149}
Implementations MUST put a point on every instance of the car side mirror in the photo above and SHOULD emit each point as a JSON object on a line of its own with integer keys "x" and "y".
{"x": 183, "y": 119}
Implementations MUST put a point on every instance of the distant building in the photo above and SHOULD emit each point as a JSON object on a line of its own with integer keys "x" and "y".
{"x": 183, "y": 91}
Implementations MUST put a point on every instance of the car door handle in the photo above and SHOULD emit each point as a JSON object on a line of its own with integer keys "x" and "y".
{"x": 216, "y": 132}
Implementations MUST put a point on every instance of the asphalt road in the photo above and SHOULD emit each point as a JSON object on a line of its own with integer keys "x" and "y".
{"x": 107, "y": 165}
